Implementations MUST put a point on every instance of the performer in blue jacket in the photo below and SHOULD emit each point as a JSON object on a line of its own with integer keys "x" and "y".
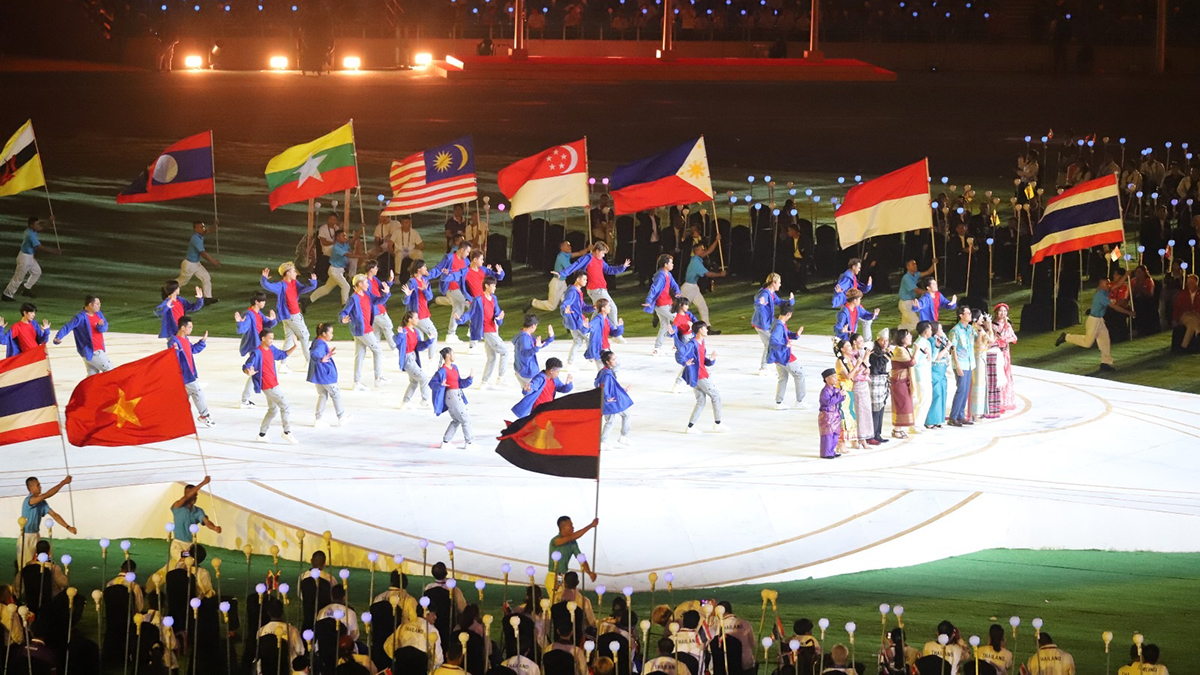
{"x": 542, "y": 388}
{"x": 765, "y": 302}
{"x": 697, "y": 359}
{"x": 184, "y": 350}
{"x": 249, "y": 325}
{"x": 287, "y": 304}
{"x": 322, "y": 372}
{"x": 25, "y": 333}
{"x": 486, "y": 317}
{"x": 418, "y": 293}
{"x": 601, "y": 330}
{"x": 615, "y": 398}
{"x": 847, "y": 282}
{"x": 574, "y": 313}
{"x": 525, "y": 349}
{"x": 409, "y": 344}
{"x": 172, "y": 307}
{"x": 88, "y": 327}
{"x": 852, "y": 317}
{"x": 360, "y": 311}
{"x": 663, "y": 289}
{"x": 260, "y": 366}
{"x": 783, "y": 358}
{"x": 447, "y": 386}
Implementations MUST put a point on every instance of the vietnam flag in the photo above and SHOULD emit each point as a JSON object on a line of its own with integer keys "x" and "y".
{"x": 134, "y": 404}
{"x": 314, "y": 169}
{"x": 560, "y": 438}
{"x": 555, "y": 178}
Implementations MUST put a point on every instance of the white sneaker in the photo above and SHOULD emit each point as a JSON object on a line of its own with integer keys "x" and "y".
{"x": 207, "y": 420}
{"x": 264, "y": 438}
{"x": 619, "y": 340}
{"x": 403, "y": 405}
{"x": 425, "y": 404}
{"x": 201, "y": 384}
{"x": 470, "y": 446}
{"x": 246, "y": 404}
{"x": 281, "y": 368}
{"x": 452, "y": 339}
{"x": 692, "y": 430}
{"x": 344, "y": 420}
{"x": 804, "y": 405}
{"x": 762, "y": 372}
{"x": 358, "y": 386}
{"x": 719, "y": 428}
{"x": 448, "y": 446}
{"x": 287, "y": 436}
{"x": 625, "y": 440}
{"x": 781, "y": 406}
{"x": 321, "y": 423}
{"x": 380, "y": 381}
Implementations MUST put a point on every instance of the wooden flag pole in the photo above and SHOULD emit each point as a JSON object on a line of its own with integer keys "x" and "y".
{"x": 717, "y": 227}
{"x": 63, "y": 440}
{"x": 45, "y": 187}
{"x": 216, "y": 219}
{"x": 308, "y": 256}
{"x": 212, "y": 502}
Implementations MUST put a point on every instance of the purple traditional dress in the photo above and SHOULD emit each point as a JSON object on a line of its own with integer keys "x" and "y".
{"x": 829, "y": 420}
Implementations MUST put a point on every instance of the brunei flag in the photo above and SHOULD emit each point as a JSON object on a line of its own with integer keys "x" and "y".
{"x": 677, "y": 176}
{"x": 314, "y": 169}
{"x": 183, "y": 170}
{"x": 20, "y": 163}
{"x": 560, "y": 438}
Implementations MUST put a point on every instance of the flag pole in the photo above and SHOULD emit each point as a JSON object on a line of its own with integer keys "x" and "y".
{"x": 49, "y": 204}
{"x": 216, "y": 219}
{"x": 212, "y": 502}
{"x": 717, "y": 226}
{"x": 66, "y": 462}
{"x": 932, "y": 226}
{"x": 308, "y": 251}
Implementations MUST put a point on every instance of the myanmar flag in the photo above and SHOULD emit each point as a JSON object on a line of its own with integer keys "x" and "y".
{"x": 314, "y": 169}
{"x": 137, "y": 403}
{"x": 20, "y": 163}
{"x": 560, "y": 438}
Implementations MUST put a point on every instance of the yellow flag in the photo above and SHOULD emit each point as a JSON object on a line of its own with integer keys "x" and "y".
{"x": 20, "y": 163}
{"x": 1029, "y": 191}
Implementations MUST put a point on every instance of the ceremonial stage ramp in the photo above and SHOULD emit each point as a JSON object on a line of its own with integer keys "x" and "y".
{"x": 1082, "y": 464}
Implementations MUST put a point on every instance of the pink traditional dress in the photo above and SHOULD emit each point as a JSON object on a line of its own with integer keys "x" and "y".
{"x": 1005, "y": 338}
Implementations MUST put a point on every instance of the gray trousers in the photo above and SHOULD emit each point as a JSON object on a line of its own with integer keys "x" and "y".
{"x": 294, "y": 330}
{"x": 382, "y": 327}
{"x": 456, "y": 407}
{"x": 598, "y": 293}
{"x": 578, "y": 343}
{"x": 329, "y": 392}
{"x": 765, "y": 336}
{"x": 608, "y": 425}
{"x": 248, "y": 390}
{"x": 458, "y": 305}
{"x": 99, "y": 363}
{"x": 276, "y": 402}
{"x": 791, "y": 371}
{"x": 416, "y": 378}
{"x": 193, "y": 390}
{"x": 705, "y": 389}
{"x": 362, "y": 343}
{"x": 497, "y": 351}
{"x": 430, "y": 332}
{"x": 665, "y": 321}
{"x": 522, "y": 380}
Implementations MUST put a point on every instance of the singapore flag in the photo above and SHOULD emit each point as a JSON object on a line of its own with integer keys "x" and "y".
{"x": 555, "y": 178}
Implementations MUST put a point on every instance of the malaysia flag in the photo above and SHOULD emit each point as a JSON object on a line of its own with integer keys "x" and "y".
{"x": 433, "y": 179}
{"x": 183, "y": 170}
{"x": 555, "y": 178}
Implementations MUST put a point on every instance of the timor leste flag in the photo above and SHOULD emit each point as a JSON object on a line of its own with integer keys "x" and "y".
{"x": 314, "y": 169}
{"x": 560, "y": 438}
{"x": 137, "y": 403}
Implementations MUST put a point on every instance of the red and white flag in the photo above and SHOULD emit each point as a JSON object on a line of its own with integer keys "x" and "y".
{"x": 553, "y": 179}
{"x": 895, "y": 202}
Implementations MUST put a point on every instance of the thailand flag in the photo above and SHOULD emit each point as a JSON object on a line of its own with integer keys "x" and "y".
{"x": 183, "y": 170}
{"x": 28, "y": 408}
{"x": 1087, "y": 215}
{"x": 675, "y": 177}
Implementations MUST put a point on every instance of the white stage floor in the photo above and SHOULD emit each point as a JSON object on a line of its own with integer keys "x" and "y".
{"x": 1082, "y": 464}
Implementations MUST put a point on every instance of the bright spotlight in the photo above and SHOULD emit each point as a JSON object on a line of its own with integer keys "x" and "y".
{"x": 193, "y": 61}
{"x": 423, "y": 59}
{"x": 279, "y": 63}
{"x": 352, "y": 63}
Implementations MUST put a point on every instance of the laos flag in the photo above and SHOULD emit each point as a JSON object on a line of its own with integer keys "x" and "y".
{"x": 675, "y": 177}
{"x": 183, "y": 170}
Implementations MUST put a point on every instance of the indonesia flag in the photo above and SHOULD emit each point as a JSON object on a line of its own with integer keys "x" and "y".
{"x": 555, "y": 178}
{"x": 675, "y": 177}
{"x": 895, "y": 202}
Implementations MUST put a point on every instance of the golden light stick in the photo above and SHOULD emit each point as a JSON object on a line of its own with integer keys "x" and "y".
{"x": 372, "y": 557}
{"x": 1138, "y": 640}
{"x": 21, "y": 522}
{"x": 645, "y": 626}
{"x": 327, "y": 537}
{"x": 674, "y": 628}
{"x": 884, "y": 608}
{"x": 216, "y": 565}
{"x": 505, "y": 569}
{"x": 284, "y": 588}
{"x": 529, "y": 572}
{"x": 195, "y": 604}
{"x": 71, "y": 593}
{"x": 628, "y": 593}
{"x": 125, "y": 546}
{"x": 224, "y": 609}
{"x": 943, "y": 640}
{"x": 247, "y": 550}
{"x": 1014, "y": 622}
{"x": 552, "y": 583}
{"x": 1037, "y": 634}
{"x": 462, "y": 640}
{"x": 300, "y": 534}
{"x": 1107, "y": 636}
{"x": 97, "y": 597}
{"x": 763, "y": 617}
{"x": 450, "y": 550}
{"x": 766, "y": 643}
{"x": 850, "y": 628}
{"x": 424, "y": 544}
{"x": 823, "y": 624}
{"x": 260, "y": 589}
{"x": 653, "y": 577}
{"x": 274, "y": 556}
{"x": 898, "y": 610}
{"x": 571, "y": 607}
{"x": 66, "y": 563}
{"x": 366, "y": 618}
{"x": 669, "y": 577}
{"x": 280, "y": 635}
{"x": 487, "y": 643}
{"x": 974, "y": 641}
{"x": 720, "y": 610}
{"x": 137, "y": 628}
{"x": 480, "y": 584}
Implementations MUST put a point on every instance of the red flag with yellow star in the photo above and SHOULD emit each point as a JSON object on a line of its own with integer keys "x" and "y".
{"x": 134, "y": 404}
{"x": 561, "y": 438}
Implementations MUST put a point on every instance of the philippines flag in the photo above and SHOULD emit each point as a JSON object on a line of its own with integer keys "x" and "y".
{"x": 894, "y": 202}
{"x": 438, "y": 177}
{"x": 1087, "y": 215}
{"x": 678, "y": 176}
{"x": 555, "y": 178}
{"x": 183, "y": 170}
{"x": 28, "y": 408}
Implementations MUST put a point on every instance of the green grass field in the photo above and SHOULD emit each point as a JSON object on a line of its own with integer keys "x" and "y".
{"x": 1079, "y": 594}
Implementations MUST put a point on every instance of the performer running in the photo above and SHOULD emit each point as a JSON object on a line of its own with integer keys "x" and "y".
{"x": 931, "y": 301}
{"x": 249, "y": 325}
{"x": 526, "y": 346}
{"x": 409, "y": 344}
{"x": 574, "y": 313}
{"x": 339, "y": 260}
{"x": 88, "y": 327}
{"x": 847, "y": 282}
{"x": 602, "y": 331}
{"x": 558, "y": 284}
{"x": 596, "y": 268}
{"x": 697, "y": 359}
{"x": 382, "y": 323}
{"x": 28, "y": 270}
{"x": 287, "y": 304}
{"x": 486, "y": 317}
{"x": 852, "y": 316}
{"x": 691, "y": 281}
{"x": 765, "y": 302}
{"x": 26, "y": 333}
{"x": 449, "y": 285}
{"x": 417, "y": 294}
{"x": 829, "y": 419}
{"x": 172, "y": 307}
{"x": 191, "y": 265}
{"x": 663, "y": 289}
{"x": 322, "y": 372}
{"x": 261, "y": 366}
{"x": 359, "y": 312}
{"x": 615, "y": 398}
{"x": 783, "y": 358}
{"x": 542, "y": 388}
{"x": 184, "y": 351}
{"x": 447, "y": 386}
